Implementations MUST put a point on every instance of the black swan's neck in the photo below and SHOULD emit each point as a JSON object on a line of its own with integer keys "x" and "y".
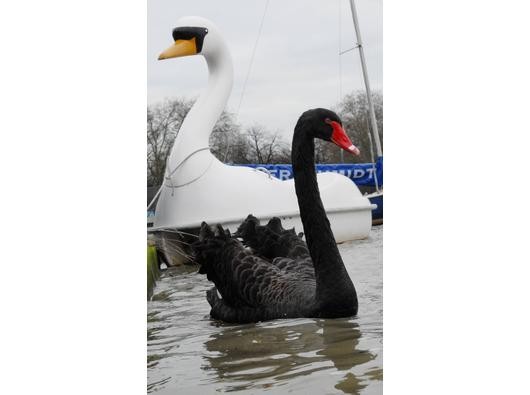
{"x": 333, "y": 285}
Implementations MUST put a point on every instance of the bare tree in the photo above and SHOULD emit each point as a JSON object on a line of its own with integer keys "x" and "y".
{"x": 238, "y": 150}
{"x": 256, "y": 144}
{"x": 226, "y": 140}
{"x": 324, "y": 152}
{"x": 163, "y": 123}
{"x": 353, "y": 110}
{"x": 266, "y": 147}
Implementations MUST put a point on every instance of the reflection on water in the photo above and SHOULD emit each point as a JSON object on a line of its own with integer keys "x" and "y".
{"x": 275, "y": 353}
{"x": 189, "y": 353}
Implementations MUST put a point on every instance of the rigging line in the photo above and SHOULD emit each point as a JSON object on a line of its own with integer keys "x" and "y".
{"x": 229, "y": 145}
{"x": 348, "y": 50}
{"x": 154, "y": 198}
{"x": 376, "y": 181}
{"x": 378, "y": 24}
{"x": 340, "y": 50}
{"x": 370, "y": 140}
{"x": 252, "y": 58}
{"x": 169, "y": 174}
{"x": 173, "y": 187}
{"x": 340, "y": 68}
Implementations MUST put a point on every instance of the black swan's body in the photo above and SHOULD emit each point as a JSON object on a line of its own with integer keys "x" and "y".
{"x": 273, "y": 273}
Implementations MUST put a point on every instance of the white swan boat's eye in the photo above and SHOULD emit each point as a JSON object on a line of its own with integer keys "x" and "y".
{"x": 188, "y": 42}
{"x": 189, "y": 33}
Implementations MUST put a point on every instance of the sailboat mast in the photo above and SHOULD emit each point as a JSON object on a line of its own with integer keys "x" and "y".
{"x": 366, "y": 81}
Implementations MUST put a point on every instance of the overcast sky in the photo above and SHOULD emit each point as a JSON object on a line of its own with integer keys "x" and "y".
{"x": 296, "y": 66}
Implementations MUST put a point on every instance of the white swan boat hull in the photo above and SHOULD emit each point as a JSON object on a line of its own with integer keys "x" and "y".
{"x": 227, "y": 194}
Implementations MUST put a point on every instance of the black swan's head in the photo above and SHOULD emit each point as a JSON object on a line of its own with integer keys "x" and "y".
{"x": 324, "y": 124}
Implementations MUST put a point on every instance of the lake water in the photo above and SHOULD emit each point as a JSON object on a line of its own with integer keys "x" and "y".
{"x": 189, "y": 353}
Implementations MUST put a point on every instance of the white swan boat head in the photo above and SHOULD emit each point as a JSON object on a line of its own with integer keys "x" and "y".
{"x": 198, "y": 187}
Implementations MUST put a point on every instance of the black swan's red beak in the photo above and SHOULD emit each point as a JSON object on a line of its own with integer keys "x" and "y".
{"x": 340, "y": 138}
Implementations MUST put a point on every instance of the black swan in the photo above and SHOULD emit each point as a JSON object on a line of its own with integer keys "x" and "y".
{"x": 273, "y": 273}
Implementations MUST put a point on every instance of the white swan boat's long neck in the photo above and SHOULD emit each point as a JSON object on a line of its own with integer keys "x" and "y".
{"x": 194, "y": 134}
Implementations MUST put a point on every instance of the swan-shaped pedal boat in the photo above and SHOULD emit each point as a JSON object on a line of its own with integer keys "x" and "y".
{"x": 198, "y": 187}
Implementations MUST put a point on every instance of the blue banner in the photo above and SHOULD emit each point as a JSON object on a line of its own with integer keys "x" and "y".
{"x": 360, "y": 173}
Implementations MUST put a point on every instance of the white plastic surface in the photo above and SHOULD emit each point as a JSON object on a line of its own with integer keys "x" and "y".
{"x": 201, "y": 188}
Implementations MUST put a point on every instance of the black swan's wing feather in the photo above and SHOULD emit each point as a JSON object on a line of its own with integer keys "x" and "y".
{"x": 251, "y": 287}
{"x": 272, "y": 240}
{"x": 244, "y": 279}
{"x": 300, "y": 266}
{"x": 294, "y": 247}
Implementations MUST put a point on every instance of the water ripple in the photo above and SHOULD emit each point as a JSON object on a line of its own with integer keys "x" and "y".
{"x": 192, "y": 354}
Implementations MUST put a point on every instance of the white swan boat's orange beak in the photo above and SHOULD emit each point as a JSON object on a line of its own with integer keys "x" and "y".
{"x": 180, "y": 48}
{"x": 340, "y": 138}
